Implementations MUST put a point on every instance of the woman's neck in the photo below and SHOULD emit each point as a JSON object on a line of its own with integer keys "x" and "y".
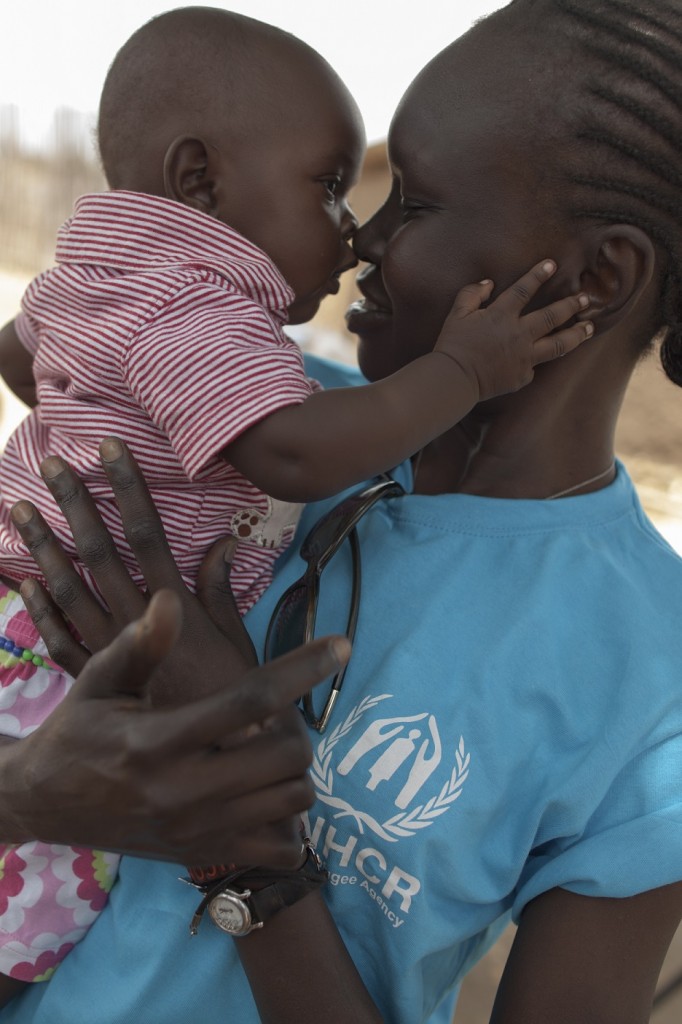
{"x": 441, "y": 467}
{"x": 537, "y": 443}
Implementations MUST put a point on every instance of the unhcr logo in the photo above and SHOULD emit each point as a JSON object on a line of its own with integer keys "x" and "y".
{"x": 385, "y": 747}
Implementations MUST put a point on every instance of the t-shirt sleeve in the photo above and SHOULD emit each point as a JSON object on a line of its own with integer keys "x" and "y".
{"x": 631, "y": 843}
{"x": 207, "y": 367}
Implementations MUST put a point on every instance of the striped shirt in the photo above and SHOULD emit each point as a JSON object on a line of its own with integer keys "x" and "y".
{"x": 162, "y": 326}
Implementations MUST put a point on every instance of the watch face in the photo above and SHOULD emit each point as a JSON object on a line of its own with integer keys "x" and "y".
{"x": 230, "y": 913}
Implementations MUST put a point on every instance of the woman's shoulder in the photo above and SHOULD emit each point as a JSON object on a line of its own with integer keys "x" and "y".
{"x": 331, "y": 374}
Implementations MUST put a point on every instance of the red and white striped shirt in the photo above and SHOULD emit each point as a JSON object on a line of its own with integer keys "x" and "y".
{"x": 162, "y": 326}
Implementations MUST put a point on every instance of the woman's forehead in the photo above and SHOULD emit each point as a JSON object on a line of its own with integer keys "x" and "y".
{"x": 438, "y": 119}
{"x": 471, "y": 92}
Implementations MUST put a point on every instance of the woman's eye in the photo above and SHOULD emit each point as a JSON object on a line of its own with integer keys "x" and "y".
{"x": 409, "y": 208}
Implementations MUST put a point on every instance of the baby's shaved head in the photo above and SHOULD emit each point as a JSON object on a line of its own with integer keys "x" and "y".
{"x": 196, "y": 71}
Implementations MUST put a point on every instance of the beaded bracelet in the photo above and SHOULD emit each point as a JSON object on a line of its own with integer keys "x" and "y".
{"x": 21, "y": 653}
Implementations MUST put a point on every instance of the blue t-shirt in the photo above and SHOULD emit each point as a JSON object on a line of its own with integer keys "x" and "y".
{"x": 511, "y": 722}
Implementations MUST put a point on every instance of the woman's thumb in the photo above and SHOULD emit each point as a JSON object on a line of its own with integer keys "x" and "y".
{"x": 215, "y": 593}
{"x": 125, "y": 665}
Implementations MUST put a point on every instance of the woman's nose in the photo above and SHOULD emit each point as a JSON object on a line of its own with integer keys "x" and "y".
{"x": 371, "y": 238}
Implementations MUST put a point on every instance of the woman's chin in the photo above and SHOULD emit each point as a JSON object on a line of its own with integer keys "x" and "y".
{"x": 375, "y": 342}
{"x": 372, "y": 360}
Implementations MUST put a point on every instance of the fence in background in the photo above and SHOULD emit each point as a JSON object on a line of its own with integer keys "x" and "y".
{"x": 38, "y": 185}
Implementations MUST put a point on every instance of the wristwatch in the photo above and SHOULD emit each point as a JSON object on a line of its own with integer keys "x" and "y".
{"x": 238, "y": 909}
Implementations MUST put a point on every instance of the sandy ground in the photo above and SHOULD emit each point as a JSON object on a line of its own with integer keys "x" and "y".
{"x": 649, "y": 437}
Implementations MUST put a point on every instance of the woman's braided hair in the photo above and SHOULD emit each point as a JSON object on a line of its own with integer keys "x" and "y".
{"x": 627, "y": 131}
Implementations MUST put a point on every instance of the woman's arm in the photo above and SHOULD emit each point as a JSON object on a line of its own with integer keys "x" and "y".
{"x": 198, "y": 783}
{"x": 221, "y": 779}
{"x": 298, "y": 962}
{"x": 587, "y": 960}
{"x": 300, "y": 971}
{"x": 16, "y": 366}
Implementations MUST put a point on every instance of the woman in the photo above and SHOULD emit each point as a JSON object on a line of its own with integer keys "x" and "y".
{"x": 508, "y": 735}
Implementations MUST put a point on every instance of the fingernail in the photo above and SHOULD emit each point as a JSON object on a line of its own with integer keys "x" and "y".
{"x": 22, "y": 512}
{"x": 486, "y": 280}
{"x": 583, "y": 300}
{"x": 549, "y": 266}
{"x": 27, "y": 589}
{"x": 111, "y": 449}
{"x": 230, "y": 548}
{"x": 341, "y": 649}
{"x": 52, "y": 467}
{"x": 589, "y": 328}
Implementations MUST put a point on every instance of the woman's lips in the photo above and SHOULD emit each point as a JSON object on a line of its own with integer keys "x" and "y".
{"x": 364, "y": 314}
{"x": 374, "y": 308}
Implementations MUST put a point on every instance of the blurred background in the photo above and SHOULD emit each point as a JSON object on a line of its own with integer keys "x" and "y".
{"x": 55, "y": 57}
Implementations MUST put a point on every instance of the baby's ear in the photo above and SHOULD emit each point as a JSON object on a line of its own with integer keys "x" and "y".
{"x": 618, "y": 264}
{"x": 186, "y": 174}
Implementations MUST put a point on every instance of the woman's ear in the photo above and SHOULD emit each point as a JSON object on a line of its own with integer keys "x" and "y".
{"x": 619, "y": 262}
{"x": 187, "y": 174}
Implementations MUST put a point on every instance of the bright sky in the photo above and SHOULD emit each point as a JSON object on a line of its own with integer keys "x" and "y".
{"x": 56, "y": 52}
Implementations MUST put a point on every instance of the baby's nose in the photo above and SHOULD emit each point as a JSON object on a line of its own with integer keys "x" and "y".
{"x": 349, "y": 224}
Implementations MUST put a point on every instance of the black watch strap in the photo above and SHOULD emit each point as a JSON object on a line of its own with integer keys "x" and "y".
{"x": 238, "y": 910}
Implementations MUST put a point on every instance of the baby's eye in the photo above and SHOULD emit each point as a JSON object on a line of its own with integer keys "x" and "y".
{"x": 332, "y": 185}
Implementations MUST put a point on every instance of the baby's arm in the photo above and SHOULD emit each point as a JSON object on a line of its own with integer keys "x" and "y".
{"x": 16, "y": 365}
{"x": 338, "y": 438}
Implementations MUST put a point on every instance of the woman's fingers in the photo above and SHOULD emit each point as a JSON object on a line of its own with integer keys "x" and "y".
{"x": 261, "y": 828}
{"x": 273, "y": 802}
{"x": 265, "y": 691}
{"x": 107, "y": 769}
{"x": 92, "y": 540}
{"x": 157, "y": 632}
{"x": 141, "y": 521}
{"x": 125, "y": 665}
{"x": 275, "y": 845}
{"x": 61, "y": 645}
{"x": 215, "y": 593}
{"x": 67, "y": 588}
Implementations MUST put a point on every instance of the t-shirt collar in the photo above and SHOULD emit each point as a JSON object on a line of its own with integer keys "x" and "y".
{"x": 135, "y": 231}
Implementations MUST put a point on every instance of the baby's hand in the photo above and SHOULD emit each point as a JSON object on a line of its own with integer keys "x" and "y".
{"x": 498, "y": 347}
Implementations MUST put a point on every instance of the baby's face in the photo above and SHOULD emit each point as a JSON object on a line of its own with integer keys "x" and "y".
{"x": 286, "y": 190}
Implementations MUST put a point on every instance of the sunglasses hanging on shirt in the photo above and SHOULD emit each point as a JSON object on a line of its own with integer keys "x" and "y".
{"x": 293, "y": 620}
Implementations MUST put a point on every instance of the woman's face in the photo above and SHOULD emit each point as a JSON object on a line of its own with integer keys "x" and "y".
{"x": 464, "y": 205}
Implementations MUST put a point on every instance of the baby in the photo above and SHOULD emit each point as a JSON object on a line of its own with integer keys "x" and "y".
{"x": 230, "y": 148}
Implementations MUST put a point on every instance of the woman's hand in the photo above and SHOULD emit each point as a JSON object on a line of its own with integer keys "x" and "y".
{"x": 221, "y": 778}
{"x": 203, "y": 637}
{"x": 109, "y": 771}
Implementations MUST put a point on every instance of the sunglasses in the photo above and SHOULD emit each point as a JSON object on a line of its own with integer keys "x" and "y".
{"x": 293, "y": 620}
